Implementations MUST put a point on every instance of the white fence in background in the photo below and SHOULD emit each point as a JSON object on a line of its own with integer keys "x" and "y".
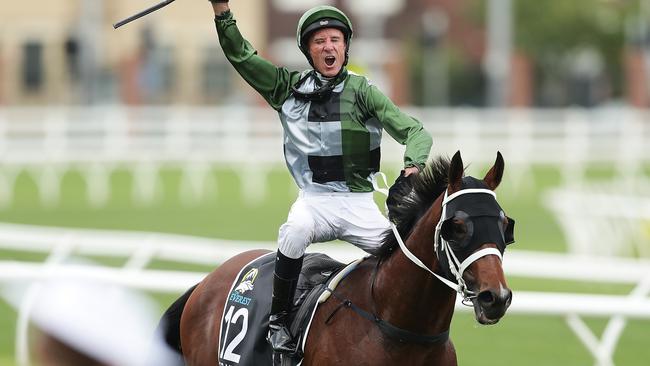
{"x": 139, "y": 249}
{"x": 47, "y": 142}
{"x": 610, "y": 218}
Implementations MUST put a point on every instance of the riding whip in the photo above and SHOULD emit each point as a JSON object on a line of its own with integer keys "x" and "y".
{"x": 142, "y": 13}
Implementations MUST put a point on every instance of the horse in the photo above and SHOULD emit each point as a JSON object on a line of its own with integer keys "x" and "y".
{"x": 448, "y": 237}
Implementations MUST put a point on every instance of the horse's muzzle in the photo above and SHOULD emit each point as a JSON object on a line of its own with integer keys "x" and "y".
{"x": 490, "y": 305}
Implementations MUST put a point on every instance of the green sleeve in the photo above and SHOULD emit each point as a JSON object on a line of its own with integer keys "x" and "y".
{"x": 403, "y": 128}
{"x": 272, "y": 82}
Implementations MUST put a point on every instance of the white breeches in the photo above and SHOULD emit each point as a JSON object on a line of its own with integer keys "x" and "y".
{"x": 321, "y": 217}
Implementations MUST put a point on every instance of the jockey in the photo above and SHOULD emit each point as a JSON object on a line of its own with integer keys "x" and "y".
{"x": 333, "y": 121}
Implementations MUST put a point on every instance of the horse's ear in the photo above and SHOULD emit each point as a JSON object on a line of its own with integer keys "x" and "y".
{"x": 494, "y": 175}
{"x": 455, "y": 172}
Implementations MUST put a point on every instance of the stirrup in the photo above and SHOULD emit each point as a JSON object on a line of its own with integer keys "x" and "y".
{"x": 282, "y": 359}
{"x": 281, "y": 340}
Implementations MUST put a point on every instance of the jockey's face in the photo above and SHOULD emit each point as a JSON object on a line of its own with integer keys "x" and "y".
{"x": 327, "y": 51}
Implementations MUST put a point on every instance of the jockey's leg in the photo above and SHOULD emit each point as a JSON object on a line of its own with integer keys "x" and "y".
{"x": 363, "y": 224}
{"x": 294, "y": 237}
{"x": 285, "y": 279}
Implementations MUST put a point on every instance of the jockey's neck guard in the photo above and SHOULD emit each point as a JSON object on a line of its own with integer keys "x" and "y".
{"x": 323, "y": 88}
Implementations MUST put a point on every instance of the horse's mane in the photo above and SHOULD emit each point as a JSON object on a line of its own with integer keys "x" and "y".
{"x": 408, "y": 202}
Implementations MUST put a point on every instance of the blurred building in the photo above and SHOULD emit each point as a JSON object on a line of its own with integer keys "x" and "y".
{"x": 66, "y": 51}
{"x": 419, "y": 52}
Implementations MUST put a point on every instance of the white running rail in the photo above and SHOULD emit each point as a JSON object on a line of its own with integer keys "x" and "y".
{"x": 610, "y": 218}
{"x": 140, "y": 248}
{"x": 46, "y": 142}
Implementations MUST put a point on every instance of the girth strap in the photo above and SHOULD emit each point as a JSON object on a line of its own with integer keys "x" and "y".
{"x": 402, "y": 335}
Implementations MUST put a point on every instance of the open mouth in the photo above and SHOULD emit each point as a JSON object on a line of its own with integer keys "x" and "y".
{"x": 482, "y": 318}
{"x": 489, "y": 315}
{"x": 330, "y": 60}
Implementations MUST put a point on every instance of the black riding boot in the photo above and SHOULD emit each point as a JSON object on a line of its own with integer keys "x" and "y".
{"x": 285, "y": 280}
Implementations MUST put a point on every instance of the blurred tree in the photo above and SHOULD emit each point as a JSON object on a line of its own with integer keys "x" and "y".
{"x": 444, "y": 50}
{"x": 575, "y": 50}
{"x": 554, "y": 26}
{"x": 552, "y": 32}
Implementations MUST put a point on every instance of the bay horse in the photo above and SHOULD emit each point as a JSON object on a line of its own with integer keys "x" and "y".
{"x": 454, "y": 233}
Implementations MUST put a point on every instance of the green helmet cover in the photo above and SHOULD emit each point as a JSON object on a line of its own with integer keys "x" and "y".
{"x": 317, "y": 14}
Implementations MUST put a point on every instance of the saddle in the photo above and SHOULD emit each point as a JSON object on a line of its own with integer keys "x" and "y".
{"x": 244, "y": 323}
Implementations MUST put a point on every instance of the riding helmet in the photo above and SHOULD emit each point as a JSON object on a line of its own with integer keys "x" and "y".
{"x": 320, "y": 17}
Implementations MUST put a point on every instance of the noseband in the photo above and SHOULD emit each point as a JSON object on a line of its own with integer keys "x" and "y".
{"x": 456, "y": 267}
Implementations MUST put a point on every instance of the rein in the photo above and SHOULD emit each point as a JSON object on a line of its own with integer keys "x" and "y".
{"x": 392, "y": 331}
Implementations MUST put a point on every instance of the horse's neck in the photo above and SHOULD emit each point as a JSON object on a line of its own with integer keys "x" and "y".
{"x": 407, "y": 295}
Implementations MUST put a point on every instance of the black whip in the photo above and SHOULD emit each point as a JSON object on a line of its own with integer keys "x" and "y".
{"x": 142, "y": 13}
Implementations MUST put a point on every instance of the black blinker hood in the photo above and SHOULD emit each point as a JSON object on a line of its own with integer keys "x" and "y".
{"x": 484, "y": 216}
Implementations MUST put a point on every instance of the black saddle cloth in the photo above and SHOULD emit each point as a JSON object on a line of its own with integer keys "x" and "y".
{"x": 244, "y": 323}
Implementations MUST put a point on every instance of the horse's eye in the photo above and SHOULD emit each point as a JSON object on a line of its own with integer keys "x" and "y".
{"x": 457, "y": 229}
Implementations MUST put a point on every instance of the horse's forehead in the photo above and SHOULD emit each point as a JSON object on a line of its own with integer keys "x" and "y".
{"x": 471, "y": 182}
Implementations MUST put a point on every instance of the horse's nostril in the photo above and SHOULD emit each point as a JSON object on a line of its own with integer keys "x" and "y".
{"x": 486, "y": 297}
{"x": 489, "y": 298}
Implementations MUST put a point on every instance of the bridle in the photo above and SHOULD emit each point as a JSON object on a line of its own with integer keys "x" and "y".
{"x": 457, "y": 268}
